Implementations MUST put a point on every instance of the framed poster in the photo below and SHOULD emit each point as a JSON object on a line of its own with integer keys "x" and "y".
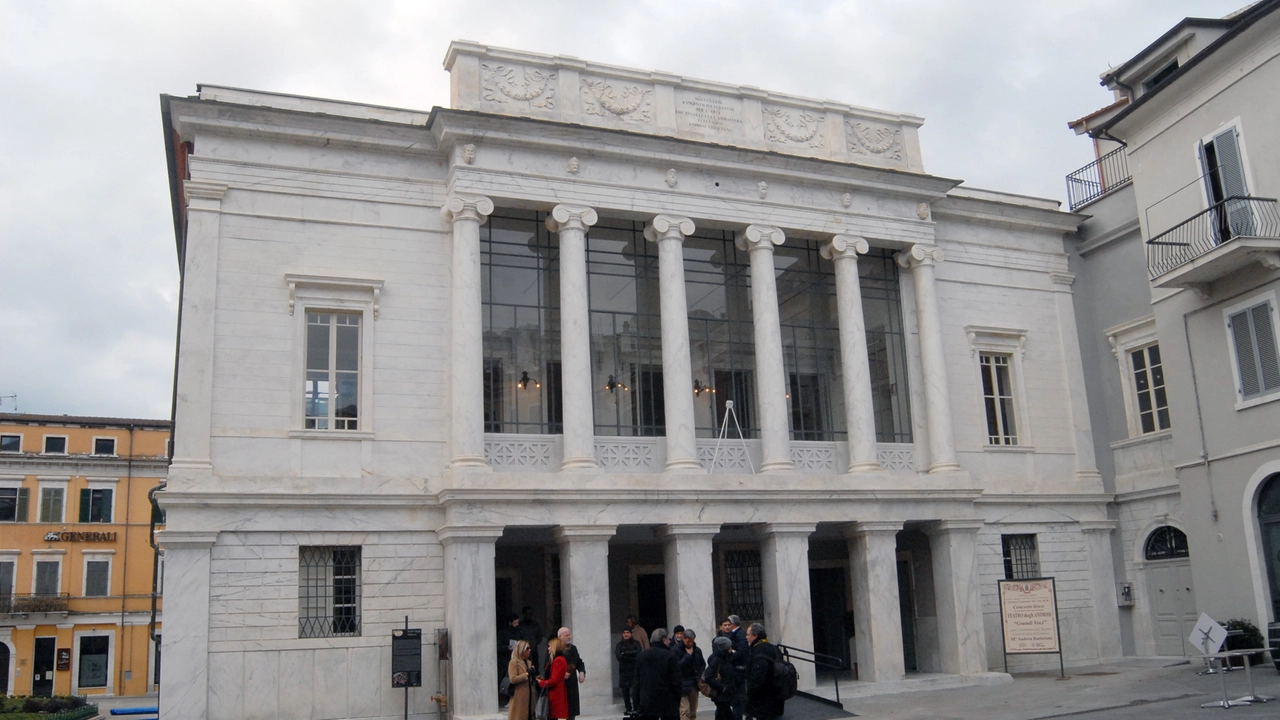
{"x": 1029, "y": 616}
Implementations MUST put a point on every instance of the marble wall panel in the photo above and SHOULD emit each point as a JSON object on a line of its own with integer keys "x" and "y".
{"x": 261, "y": 685}
{"x": 297, "y": 671}
{"x": 226, "y": 686}
{"x": 330, "y": 673}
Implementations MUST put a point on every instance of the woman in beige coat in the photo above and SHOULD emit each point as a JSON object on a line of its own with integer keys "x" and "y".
{"x": 520, "y": 670}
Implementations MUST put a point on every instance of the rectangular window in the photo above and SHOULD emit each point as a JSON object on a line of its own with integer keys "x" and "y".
{"x": 332, "y": 390}
{"x": 52, "y": 501}
{"x": 104, "y": 446}
{"x": 997, "y": 395}
{"x": 328, "y": 591}
{"x": 97, "y": 578}
{"x": 1224, "y": 179}
{"x": 7, "y": 569}
{"x": 1257, "y": 366}
{"x": 55, "y": 444}
{"x": 1020, "y": 559}
{"x": 735, "y": 386}
{"x": 10, "y": 443}
{"x": 1148, "y": 383}
{"x": 47, "y": 580}
{"x": 743, "y": 584}
{"x": 94, "y": 650}
{"x": 648, "y": 402}
{"x": 95, "y": 505}
{"x": 13, "y": 504}
{"x": 807, "y": 419}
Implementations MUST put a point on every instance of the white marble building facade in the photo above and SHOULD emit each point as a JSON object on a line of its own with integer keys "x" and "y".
{"x": 486, "y": 350}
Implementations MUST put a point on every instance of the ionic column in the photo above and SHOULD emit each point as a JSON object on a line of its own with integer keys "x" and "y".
{"x": 470, "y": 606}
{"x": 186, "y": 623}
{"x": 920, "y": 260}
{"x": 1102, "y": 580}
{"x": 1077, "y": 401}
{"x": 466, "y": 213}
{"x": 877, "y": 616}
{"x": 771, "y": 373}
{"x": 784, "y": 577}
{"x": 843, "y": 251}
{"x": 194, "y": 410}
{"x": 677, "y": 391}
{"x": 575, "y": 335}
{"x": 962, "y": 642}
{"x": 686, "y": 554}
{"x": 584, "y": 593}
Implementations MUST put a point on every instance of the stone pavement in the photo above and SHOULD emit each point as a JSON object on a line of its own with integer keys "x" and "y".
{"x": 1128, "y": 689}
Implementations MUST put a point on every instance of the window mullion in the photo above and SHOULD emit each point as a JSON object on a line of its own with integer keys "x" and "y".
{"x": 333, "y": 371}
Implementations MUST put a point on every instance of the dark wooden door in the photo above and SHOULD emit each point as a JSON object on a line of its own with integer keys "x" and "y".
{"x": 42, "y": 667}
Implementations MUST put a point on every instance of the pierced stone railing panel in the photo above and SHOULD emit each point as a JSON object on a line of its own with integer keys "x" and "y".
{"x": 816, "y": 458}
{"x": 733, "y": 456}
{"x": 900, "y": 457}
{"x": 630, "y": 454}
{"x": 528, "y": 453}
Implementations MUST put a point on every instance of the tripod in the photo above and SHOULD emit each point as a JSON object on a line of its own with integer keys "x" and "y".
{"x": 724, "y": 431}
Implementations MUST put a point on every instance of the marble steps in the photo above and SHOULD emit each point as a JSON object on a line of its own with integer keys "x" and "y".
{"x": 914, "y": 682}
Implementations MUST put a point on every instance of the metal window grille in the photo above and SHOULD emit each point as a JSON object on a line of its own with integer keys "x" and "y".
{"x": 332, "y": 389}
{"x": 744, "y": 587}
{"x": 1148, "y": 383}
{"x": 1020, "y": 560}
{"x": 1257, "y": 364}
{"x": 1166, "y": 543}
{"x": 997, "y": 395}
{"x": 328, "y": 591}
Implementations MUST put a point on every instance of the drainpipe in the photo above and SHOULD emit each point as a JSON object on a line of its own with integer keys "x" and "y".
{"x": 124, "y": 570}
{"x": 1204, "y": 447}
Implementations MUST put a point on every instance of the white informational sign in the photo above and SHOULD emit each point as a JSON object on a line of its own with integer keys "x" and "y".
{"x": 1029, "y": 609}
{"x": 1207, "y": 636}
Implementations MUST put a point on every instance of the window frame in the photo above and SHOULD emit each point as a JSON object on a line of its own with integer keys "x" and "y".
{"x": 1009, "y": 563}
{"x": 51, "y": 484}
{"x": 115, "y": 445}
{"x": 327, "y": 617}
{"x": 101, "y": 484}
{"x": 42, "y": 557}
{"x": 66, "y": 445}
{"x": 1151, "y": 388}
{"x": 987, "y": 340}
{"x": 10, "y": 557}
{"x": 332, "y": 294}
{"x": 1269, "y": 297}
{"x": 77, "y": 636}
{"x": 12, "y": 435}
{"x": 88, "y": 556}
{"x": 1202, "y": 167}
{"x": 15, "y": 484}
{"x": 1125, "y": 338}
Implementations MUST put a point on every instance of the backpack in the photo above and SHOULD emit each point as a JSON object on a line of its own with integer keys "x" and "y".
{"x": 785, "y": 679}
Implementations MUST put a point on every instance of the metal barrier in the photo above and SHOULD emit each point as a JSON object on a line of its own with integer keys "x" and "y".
{"x": 1098, "y": 178}
{"x": 819, "y": 660}
{"x": 1234, "y": 217}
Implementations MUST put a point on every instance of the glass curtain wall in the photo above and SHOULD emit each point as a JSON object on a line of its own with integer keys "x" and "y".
{"x": 886, "y": 345}
{"x": 520, "y": 290}
{"x": 810, "y": 341}
{"x": 626, "y": 330}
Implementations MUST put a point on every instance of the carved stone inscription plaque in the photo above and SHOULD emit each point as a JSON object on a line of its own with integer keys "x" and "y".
{"x": 708, "y": 114}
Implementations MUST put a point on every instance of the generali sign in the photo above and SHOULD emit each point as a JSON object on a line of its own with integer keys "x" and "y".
{"x": 69, "y": 536}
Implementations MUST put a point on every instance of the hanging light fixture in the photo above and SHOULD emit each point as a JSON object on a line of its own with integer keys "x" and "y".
{"x": 699, "y": 388}
{"x": 525, "y": 380}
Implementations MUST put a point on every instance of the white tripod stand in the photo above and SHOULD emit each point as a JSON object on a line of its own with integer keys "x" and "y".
{"x": 724, "y": 430}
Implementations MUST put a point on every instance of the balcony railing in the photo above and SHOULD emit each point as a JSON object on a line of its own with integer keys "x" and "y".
{"x": 34, "y": 603}
{"x": 1232, "y": 218}
{"x": 1107, "y": 173}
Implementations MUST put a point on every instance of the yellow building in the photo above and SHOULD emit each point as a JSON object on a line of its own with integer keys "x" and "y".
{"x": 76, "y": 562}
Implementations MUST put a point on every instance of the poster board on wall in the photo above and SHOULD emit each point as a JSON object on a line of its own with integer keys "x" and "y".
{"x": 1029, "y": 616}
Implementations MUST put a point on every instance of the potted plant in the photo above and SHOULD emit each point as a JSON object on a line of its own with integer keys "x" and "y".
{"x": 1244, "y": 635}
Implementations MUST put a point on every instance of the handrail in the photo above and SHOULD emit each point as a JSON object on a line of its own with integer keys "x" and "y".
{"x": 1098, "y": 178}
{"x": 1235, "y": 216}
{"x": 818, "y": 660}
{"x": 19, "y": 603}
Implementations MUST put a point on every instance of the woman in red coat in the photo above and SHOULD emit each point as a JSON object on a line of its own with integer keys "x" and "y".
{"x": 553, "y": 684}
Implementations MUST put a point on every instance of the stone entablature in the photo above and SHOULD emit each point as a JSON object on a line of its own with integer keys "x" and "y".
{"x": 566, "y": 89}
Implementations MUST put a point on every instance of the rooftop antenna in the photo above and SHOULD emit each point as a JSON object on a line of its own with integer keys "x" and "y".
{"x": 13, "y": 397}
{"x": 724, "y": 431}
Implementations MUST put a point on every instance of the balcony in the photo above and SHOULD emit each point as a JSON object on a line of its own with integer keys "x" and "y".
{"x": 1098, "y": 179}
{"x": 20, "y": 604}
{"x": 1215, "y": 243}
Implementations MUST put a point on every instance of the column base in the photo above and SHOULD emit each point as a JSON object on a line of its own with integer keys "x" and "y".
{"x": 580, "y": 463}
{"x": 778, "y": 467}
{"x": 863, "y": 467}
{"x": 469, "y": 461}
{"x": 684, "y": 465}
{"x": 944, "y": 467}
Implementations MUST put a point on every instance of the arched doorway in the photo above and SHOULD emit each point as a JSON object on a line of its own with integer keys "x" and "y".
{"x": 1269, "y": 524}
{"x": 4, "y": 669}
{"x": 1169, "y": 591}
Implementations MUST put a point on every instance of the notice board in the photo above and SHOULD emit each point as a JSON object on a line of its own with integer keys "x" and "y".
{"x": 1029, "y": 616}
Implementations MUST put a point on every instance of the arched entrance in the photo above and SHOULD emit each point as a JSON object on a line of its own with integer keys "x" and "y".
{"x": 1269, "y": 524}
{"x": 1173, "y": 602}
{"x": 4, "y": 669}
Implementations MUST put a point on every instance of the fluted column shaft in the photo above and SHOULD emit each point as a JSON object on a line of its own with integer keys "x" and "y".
{"x": 771, "y": 373}
{"x": 859, "y": 412}
{"x": 669, "y": 233}
{"x": 920, "y": 260}
{"x": 466, "y": 213}
{"x": 575, "y": 335}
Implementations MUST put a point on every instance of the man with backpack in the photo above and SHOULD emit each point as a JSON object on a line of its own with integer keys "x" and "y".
{"x": 770, "y": 678}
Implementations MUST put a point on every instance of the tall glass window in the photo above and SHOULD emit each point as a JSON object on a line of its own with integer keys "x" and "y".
{"x": 810, "y": 341}
{"x": 520, "y": 291}
{"x": 626, "y": 330}
{"x": 886, "y": 345}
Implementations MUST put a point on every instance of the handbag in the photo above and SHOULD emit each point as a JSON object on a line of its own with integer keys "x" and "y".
{"x": 706, "y": 689}
{"x": 542, "y": 707}
{"x": 504, "y": 687}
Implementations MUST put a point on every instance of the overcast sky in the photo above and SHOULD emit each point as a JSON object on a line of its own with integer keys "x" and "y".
{"x": 88, "y": 276}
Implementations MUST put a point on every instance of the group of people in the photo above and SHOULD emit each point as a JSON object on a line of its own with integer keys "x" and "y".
{"x": 661, "y": 674}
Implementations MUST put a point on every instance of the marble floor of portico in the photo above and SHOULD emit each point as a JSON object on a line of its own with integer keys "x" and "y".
{"x": 912, "y": 683}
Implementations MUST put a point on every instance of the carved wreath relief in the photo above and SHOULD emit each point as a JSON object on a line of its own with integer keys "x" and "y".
{"x": 875, "y": 139}
{"x": 630, "y": 104}
{"x": 798, "y": 127}
{"x": 505, "y": 82}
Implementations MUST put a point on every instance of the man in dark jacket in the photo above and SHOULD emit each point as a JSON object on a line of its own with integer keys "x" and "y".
{"x": 725, "y": 679}
{"x": 763, "y": 702}
{"x": 626, "y": 651}
{"x": 658, "y": 680}
{"x": 691, "y": 667}
{"x": 577, "y": 671}
{"x": 741, "y": 648}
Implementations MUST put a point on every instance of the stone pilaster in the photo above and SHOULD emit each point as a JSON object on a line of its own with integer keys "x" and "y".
{"x": 859, "y": 412}
{"x": 686, "y": 552}
{"x": 466, "y": 213}
{"x": 784, "y": 577}
{"x": 187, "y": 557}
{"x": 470, "y": 607}
{"x": 962, "y": 642}
{"x": 920, "y": 261}
{"x": 575, "y": 335}
{"x": 1077, "y": 401}
{"x": 669, "y": 232}
{"x": 877, "y": 616}
{"x": 584, "y": 594}
{"x": 771, "y": 373}
{"x": 1102, "y": 581}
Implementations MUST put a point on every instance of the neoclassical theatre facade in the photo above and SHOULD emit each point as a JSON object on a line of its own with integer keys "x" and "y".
{"x": 605, "y": 342}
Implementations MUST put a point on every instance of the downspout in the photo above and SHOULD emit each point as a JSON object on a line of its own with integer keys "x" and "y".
{"x": 124, "y": 570}
{"x": 1204, "y": 447}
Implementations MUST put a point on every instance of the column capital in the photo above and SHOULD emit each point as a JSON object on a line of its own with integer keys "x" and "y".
{"x": 584, "y": 533}
{"x": 186, "y": 540}
{"x": 953, "y": 526}
{"x": 668, "y": 227}
{"x": 871, "y": 527}
{"x": 571, "y": 217}
{"x": 450, "y": 534}
{"x": 760, "y": 237}
{"x": 845, "y": 246}
{"x": 692, "y": 531}
{"x": 1062, "y": 281}
{"x": 1097, "y": 526}
{"x": 196, "y": 191}
{"x": 466, "y": 207}
{"x": 919, "y": 255}
{"x": 791, "y": 529}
